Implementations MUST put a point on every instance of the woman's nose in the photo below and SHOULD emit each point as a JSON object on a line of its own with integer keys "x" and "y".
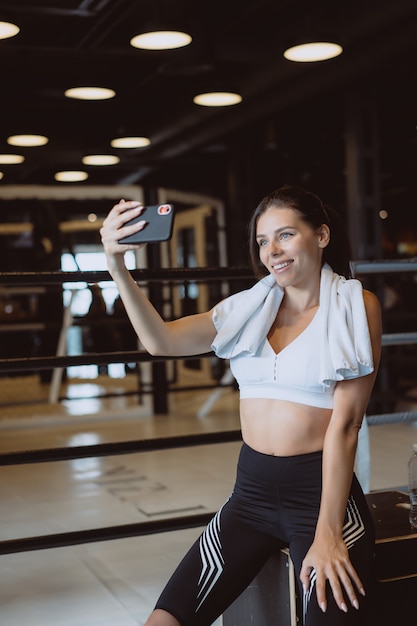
{"x": 275, "y": 247}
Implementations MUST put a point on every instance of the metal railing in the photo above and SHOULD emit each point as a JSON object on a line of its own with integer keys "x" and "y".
{"x": 59, "y": 454}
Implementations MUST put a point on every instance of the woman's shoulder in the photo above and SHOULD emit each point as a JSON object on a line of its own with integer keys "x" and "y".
{"x": 371, "y": 301}
{"x": 373, "y": 311}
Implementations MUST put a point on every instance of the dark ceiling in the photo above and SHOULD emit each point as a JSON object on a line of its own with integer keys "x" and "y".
{"x": 290, "y": 126}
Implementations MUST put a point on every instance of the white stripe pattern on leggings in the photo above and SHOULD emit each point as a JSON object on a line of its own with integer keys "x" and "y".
{"x": 211, "y": 558}
{"x": 353, "y": 530}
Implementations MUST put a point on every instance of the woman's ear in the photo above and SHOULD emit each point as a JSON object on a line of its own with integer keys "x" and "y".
{"x": 324, "y": 235}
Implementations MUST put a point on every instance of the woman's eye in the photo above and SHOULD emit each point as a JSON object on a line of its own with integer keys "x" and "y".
{"x": 284, "y": 236}
{"x": 262, "y": 242}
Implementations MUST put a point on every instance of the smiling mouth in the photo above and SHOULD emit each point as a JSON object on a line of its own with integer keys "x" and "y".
{"x": 281, "y": 266}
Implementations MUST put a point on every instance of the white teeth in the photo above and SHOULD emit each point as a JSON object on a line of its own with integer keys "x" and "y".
{"x": 281, "y": 265}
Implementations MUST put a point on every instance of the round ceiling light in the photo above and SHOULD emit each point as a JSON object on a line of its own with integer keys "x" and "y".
{"x": 90, "y": 93}
{"x": 70, "y": 176}
{"x": 1, "y": 175}
{"x": 130, "y": 142}
{"x": 7, "y": 29}
{"x": 161, "y": 40}
{"x": 100, "y": 159}
{"x": 27, "y": 140}
{"x": 315, "y": 51}
{"x": 11, "y": 159}
{"x": 217, "y": 99}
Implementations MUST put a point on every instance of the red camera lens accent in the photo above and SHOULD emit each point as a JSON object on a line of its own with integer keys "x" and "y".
{"x": 164, "y": 209}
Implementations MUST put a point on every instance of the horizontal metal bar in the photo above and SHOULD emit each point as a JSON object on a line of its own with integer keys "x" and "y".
{"x": 399, "y": 339}
{"x": 193, "y": 274}
{"x": 391, "y": 418}
{"x": 97, "y": 358}
{"x": 49, "y": 455}
{"x": 180, "y": 274}
{"x": 135, "y": 356}
{"x": 22, "y": 327}
{"x": 384, "y": 266}
{"x": 60, "y": 540}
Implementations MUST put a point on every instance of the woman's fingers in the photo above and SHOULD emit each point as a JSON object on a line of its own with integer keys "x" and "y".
{"x": 321, "y": 590}
{"x": 344, "y": 583}
{"x": 343, "y": 580}
{"x": 114, "y": 226}
{"x": 127, "y": 209}
{"x": 352, "y": 583}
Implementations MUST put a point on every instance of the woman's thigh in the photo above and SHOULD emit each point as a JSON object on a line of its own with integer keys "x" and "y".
{"x": 358, "y": 533}
{"x": 217, "y": 569}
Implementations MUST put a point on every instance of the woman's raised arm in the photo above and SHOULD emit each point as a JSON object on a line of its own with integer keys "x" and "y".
{"x": 185, "y": 336}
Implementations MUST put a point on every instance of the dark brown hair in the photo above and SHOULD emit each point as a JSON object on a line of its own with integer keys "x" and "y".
{"x": 311, "y": 209}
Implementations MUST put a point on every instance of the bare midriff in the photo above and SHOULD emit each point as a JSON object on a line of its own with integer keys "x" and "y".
{"x": 282, "y": 428}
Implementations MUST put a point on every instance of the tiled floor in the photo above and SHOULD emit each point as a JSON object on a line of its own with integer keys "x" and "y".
{"x": 115, "y": 583}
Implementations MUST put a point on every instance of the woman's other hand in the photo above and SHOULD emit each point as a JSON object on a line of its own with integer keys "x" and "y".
{"x": 330, "y": 561}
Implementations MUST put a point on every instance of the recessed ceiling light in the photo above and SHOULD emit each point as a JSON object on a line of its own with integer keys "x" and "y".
{"x": 130, "y": 142}
{"x": 161, "y": 40}
{"x": 70, "y": 176}
{"x": 7, "y": 29}
{"x": 10, "y": 159}
{"x": 100, "y": 159}
{"x": 217, "y": 99}
{"x": 90, "y": 93}
{"x": 1, "y": 175}
{"x": 27, "y": 140}
{"x": 315, "y": 51}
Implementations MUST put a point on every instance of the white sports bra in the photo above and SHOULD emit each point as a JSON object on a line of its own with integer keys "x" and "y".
{"x": 289, "y": 375}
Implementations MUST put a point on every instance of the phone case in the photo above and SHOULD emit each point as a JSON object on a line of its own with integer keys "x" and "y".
{"x": 159, "y": 218}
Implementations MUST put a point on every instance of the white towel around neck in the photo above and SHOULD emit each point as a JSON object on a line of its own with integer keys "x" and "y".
{"x": 244, "y": 319}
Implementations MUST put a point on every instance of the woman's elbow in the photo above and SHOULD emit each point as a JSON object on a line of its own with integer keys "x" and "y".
{"x": 348, "y": 428}
{"x": 351, "y": 430}
{"x": 156, "y": 349}
{"x": 153, "y": 346}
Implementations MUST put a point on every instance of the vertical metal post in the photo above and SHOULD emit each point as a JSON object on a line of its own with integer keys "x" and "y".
{"x": 363, "y": 177}
{"x": 364, "y": 193}
{"x": 61, "y": 351}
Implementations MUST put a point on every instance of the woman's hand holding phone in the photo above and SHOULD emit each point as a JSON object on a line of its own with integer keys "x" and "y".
{"x": 155, "y": 221}
{"x": 114, "y": 226}
{"x": 130, "y": 225}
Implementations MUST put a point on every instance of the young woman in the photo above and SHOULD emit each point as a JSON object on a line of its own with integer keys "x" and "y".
{"x": 304, "y": 346}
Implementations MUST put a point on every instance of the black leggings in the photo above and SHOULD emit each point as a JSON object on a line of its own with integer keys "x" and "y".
{"x": 275, "y": 503}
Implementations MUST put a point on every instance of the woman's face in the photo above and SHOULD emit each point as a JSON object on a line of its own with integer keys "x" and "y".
{"x": 289, "y": 247}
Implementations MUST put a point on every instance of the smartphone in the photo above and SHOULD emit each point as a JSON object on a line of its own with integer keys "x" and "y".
{"x": 159, "y": 222}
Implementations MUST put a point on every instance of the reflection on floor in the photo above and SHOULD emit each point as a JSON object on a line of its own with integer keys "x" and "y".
{"x": 116, "y": 583}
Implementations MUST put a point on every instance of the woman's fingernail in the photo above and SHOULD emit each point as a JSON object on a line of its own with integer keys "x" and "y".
{"x": 323, "y": 607}
{"x": 344, "y": 607}
{"x": 355, "y": 604}
{"x": 362, "y": 591}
